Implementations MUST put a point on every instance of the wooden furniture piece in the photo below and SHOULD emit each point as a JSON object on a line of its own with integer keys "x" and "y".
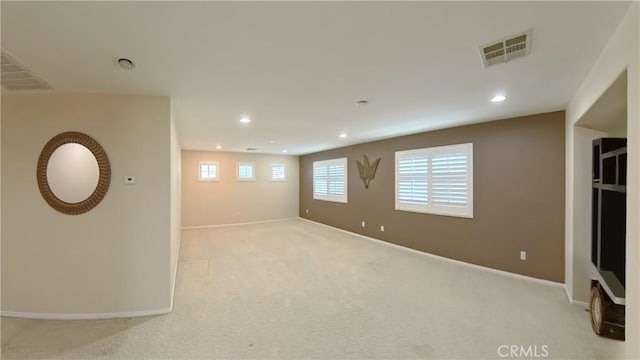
{"x": 608, "y": 237}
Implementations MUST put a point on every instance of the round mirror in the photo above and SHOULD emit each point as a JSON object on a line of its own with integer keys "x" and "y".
{"x": 73, "y": 173}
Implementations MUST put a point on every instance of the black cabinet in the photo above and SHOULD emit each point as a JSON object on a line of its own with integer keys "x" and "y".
{"x": 608, "y": 236}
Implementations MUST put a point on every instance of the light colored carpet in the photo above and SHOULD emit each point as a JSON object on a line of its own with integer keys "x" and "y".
{"x": 295, "y": 289}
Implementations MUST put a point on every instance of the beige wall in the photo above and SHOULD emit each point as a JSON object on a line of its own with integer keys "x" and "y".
{"x": 579, "y": 253}
{"x": 176, "y": 203}
{"x": 518, "y": 196}
{"x": 113, "y": 260}
{"x": 228, "y": 201}
{"x": 621, "y": 52}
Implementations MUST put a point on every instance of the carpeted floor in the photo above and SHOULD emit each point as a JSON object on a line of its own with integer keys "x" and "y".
{"x": 295, "y": 289}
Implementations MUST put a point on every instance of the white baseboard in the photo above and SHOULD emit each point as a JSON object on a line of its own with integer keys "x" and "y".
{"x": 569, "y": 296}
{"x": 474, "y": 266}
{"x": 236, "y": 224}
{"x": 573, "y": 301}
{"x": 579, "y": 303}
{"x": 83, "y": 316}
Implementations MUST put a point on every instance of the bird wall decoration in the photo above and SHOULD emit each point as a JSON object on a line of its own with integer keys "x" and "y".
{"x": 367, "y": 170}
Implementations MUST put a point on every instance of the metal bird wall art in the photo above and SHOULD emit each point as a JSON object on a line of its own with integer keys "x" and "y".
{"x": 367, "y": 171}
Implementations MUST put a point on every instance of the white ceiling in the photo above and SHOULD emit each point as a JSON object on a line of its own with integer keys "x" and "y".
{"x": 297, "y": 68}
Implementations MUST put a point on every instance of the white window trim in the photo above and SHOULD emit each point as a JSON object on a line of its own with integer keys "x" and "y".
{"x": 430, "y": 208}
{"x": 335, "y": 198}
{"x": 253, "y": 171}
{"x": 208, "y": 163}
{"x": 271, "y": 178}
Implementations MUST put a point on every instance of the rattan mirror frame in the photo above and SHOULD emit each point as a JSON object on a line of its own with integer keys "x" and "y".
{"x": 104, "y": 179}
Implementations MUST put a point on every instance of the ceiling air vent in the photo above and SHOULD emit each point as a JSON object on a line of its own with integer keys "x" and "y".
{"x": 502, "y": 51}
{"x": 16, "y": 76}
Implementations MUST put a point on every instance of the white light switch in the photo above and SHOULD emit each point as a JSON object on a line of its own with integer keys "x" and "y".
{"x": 130, "y": 180}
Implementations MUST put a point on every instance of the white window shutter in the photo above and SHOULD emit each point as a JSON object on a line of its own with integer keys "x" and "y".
{"x": 245, "y": 172}
{"x": 413, "y": 180}
{"x": 277, "y": 172}
{"x": 208, "y": 171}
{"x": 330, "y": 180}
{"x": 436, "y": 180}
{"x": 450, "y": 176}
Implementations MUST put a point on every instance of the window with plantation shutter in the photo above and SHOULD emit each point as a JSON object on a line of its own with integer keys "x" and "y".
{"x": 330, "y": 180}
{"x": 449, "y": 176}
{"x": 277, "y": 172}
{"x": 245, "y": 172}
{"x": 436, "y": 180}
{"x": 412, "y": 179}
{"x": 208, "y": 171}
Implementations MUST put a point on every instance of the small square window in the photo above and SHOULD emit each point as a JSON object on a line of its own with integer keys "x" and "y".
{"x": 208, "y": 171}
{"x": 278, "y": 172}
{"x": 245, "y": 172}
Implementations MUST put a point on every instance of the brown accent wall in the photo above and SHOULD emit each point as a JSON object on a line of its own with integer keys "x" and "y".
{"x": 518, "y": 196}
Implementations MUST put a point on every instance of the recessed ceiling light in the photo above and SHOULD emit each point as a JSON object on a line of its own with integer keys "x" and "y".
{"x": 218, "y": 147}
{"x": 245, "y": 120}
{"x": 126, "y": 64}
{"x": 284, "y": 151}
{"x": 498, "y": 98}
{"x": 362, "y": 102}
{"x": 342, "y": 135}
{"x": 272, "y": 141}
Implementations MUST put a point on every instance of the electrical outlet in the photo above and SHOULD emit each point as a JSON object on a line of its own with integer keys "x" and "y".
{"x": 363, "y": 224}
{"x": 523, "y": 255}
{"x": 307, "y": 211}
{"x": 382, "y": 228}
